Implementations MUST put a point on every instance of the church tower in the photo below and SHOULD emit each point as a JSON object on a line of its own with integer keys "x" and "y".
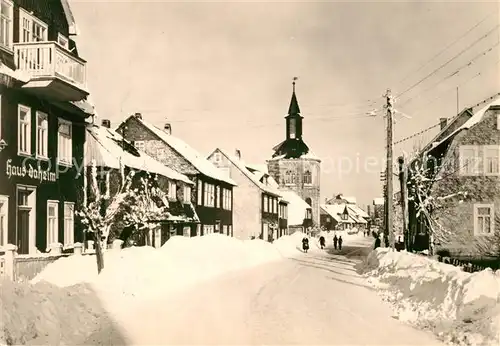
{"x": 293, "y": 165}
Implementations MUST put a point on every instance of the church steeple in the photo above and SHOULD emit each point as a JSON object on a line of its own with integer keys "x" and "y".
{"x": 294, "y": 119}
{"x": 293, "y": 146}
{"x": 294, "y": 105}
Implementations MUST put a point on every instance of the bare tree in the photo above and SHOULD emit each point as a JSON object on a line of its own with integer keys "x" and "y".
{"x": 99, "y": 214}
{"x": 420, "y": 182}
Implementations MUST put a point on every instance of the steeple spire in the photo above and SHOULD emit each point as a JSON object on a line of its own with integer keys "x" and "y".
{"x": 294, "y": 105}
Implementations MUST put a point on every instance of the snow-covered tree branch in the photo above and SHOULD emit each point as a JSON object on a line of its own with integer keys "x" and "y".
{"x": 149, "y": 205}
{"x": 99, "y": 214}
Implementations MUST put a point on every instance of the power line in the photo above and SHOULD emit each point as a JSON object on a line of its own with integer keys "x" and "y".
{"x": 416, "y": 134}
{"x": 467, "y": 65}
{"x": 454, "y": 87}
{"x": 449, "y": 61}
{"x": 446, "y": 48}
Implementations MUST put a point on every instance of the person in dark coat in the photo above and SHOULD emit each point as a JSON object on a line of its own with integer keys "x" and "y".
{"x": 335, "y": 239}
{"x": 377, "y": 242}
{"x": 305, "y": 244}
{"x": 340, "y": 242}
{"x": 322, "y": 242}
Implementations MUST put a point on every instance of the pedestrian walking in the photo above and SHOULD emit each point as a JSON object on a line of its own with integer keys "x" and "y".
{"x": 305, "y": 244}
{"x": 340, "y": 242}
{"x": 335, "y": 240}
{"x": 322, "y": 242}
{"x": 377, "y": 242}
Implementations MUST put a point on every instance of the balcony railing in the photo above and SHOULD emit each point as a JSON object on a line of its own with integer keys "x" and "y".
{"x": 49, "y": 59}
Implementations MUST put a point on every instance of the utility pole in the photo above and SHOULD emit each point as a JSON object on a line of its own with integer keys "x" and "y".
{"x": 389, "y": 173}
{"x": 458, "y": 102}
{"x": 404, "y": 200}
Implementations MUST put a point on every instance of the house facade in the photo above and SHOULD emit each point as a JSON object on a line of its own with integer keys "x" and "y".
{"x": 299, "y": 213}
{"x": 213, "y": 191}
{"x": 342, "y": 213}
{"x": 293, "y": 165}
{"x": 43, "y": 112}
{"x": 258, "y": 208}
{"x": 114, "y": 159}
{"x": 465, "y": 160}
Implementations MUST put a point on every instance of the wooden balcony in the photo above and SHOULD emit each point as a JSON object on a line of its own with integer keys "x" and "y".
{"x": 54, "y": 73}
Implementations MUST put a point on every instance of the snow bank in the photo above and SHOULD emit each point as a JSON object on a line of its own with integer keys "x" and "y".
{"x": 67, "y": 316}
{"x": 147, "y": 272}
{"x": 461, "y": 308}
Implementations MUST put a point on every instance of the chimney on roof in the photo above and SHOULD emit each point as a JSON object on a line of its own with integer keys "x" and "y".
{"x": 106, "y": 123}
{"x": 237, "y": 153}
{"x": 443, "y": 122}
{"x": 167, "y": 128}
{"x": 138, "y": 115}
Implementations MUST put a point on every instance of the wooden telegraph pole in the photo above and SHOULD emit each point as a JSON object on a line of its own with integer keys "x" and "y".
{"x": 389, "y": 232}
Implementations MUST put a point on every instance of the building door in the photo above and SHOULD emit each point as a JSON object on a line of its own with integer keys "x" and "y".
{"x": 265, "y": 233}
{"x": 25, "y": 219}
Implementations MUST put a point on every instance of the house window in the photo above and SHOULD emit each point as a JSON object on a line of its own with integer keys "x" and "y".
{"x": 307, "y": 177}
{"x": 52, "y": 223}
{"x": 63, "y": 41}
{"x": 217, "y": 157}
{"x": 139, "y": 145}
{"x": 484, "y": 216}
{"x": 275, "y": 209}
{"x": 64, "y": 143}
{"x": 498, "y": 122}
{"x": 226, "y": 199}
{"x": 31, "y": 28}
{"x": 172, "y": 190}
{"x": 6, "y": 23}
{"x": 491, "y": 159}
{"x": 69, "y": 223}
{"x": 209, "y": 194}
{"x": 217, "y": 197}
{"x": 265, "y": 204}
{"x": 225, "y": 230}
{"x": 288, "y": 177}
{"x": 285, "y": 209}
{"x": 469, "y": 160}
{"x": 187, "y": 193}
{"x": 42, "y": 136}
{"x": 4, "y": 224}
{"x": 208, "y": 229}
{"x": 230, "y": 230}
{"x": 24, "y": 130}
{"x": 199, "y": 193}
{"x": 0, "y": 115}
{"x": 308, "y": 213}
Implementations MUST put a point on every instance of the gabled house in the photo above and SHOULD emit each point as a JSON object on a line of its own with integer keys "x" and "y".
{"x": 299, "y": 212}
{"x": 113, "y": 156}
{"x": 258, "y": 206}
{"x": 43, "y": 112}
{"x": 213, "y": 191}
{"x": 464, "y": 159}
{"x": 341, "y": 212}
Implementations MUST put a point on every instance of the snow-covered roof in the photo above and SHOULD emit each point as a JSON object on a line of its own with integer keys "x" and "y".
{"x": 336, "y": 210}
{"x": 103, "y": 147}
{"x": 297, "y": 207}
{"x": 349, "y": 199}
{"x": 475, "y": 119}
{"x": 356, "y": 209}
{"x": 16, "y": 74}
{"x": 258, "y": 167}
{"x": 379, "y": 201}
{"x": 255, "y": 178}
{"x": 201, "y": 163}
{"x": 310, "y": 156}
{"x": 73, "y": 29}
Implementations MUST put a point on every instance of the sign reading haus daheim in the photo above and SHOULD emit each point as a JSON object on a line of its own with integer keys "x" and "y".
{"x": 30, "y": 171}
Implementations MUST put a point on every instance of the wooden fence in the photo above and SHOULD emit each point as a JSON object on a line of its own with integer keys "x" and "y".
{"x": 26, "y": 267}
{"x": 467, "y": 265}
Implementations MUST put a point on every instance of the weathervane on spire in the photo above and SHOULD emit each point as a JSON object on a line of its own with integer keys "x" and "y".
{"x": 293, "y": 83}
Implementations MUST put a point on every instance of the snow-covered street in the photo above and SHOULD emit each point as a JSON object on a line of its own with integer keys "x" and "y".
{"x": 315, "y": 298}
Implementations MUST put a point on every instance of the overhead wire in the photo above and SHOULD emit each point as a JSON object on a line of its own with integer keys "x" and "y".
{"x": 447, "y": 62}
{"x": 447, "y": 47}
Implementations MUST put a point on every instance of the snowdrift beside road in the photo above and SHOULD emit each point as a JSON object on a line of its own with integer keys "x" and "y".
{"x": 461, "y": 308}
{"x": 147, "y": 272}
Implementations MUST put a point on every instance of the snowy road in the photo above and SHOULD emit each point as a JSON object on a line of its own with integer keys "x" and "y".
{"x": 317, "y": 298}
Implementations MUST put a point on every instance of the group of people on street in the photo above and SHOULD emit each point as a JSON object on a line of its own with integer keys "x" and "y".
{"x": 337, "y": 243}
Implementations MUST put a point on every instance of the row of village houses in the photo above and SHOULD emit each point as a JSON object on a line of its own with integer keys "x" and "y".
{"x": 49, "y": 136}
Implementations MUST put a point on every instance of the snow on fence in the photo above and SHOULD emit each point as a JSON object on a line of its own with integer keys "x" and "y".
{"x": 25, "y": 267}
